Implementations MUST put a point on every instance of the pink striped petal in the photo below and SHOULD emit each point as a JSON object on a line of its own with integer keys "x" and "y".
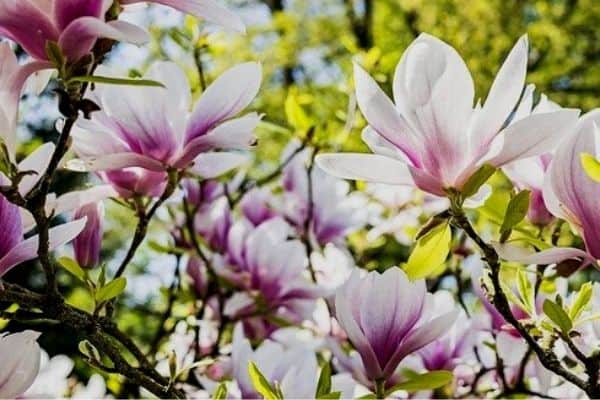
{"x": 229, "y": 94}
{"x": 79, "y": 37}
{"x": 209, "y": 10}
{"x": 112, "y": 162}
{"x": 28, "y": 249}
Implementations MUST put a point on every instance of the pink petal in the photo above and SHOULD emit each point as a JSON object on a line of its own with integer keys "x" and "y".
{"x": 209, "y": 10}
{"x": 66, "y": 11}
{"x": 511, "y": 252}
{"x": 381, "y": 114}
{"x": 79, "y": 37}
{"x": 504, "y": 93}
{"x": 28, "y": 249}
{"x": 214, "y": 164}
{"x": 534, "y": 135}
{"x": 365, "y": 167}
{"x": 112, "y": 162}
{"x": 28, "y": 25}
{"x": 230, "y": 93}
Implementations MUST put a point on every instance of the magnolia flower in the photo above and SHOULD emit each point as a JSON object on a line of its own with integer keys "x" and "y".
{"x": 52, "y": 381}
{"x": 433, "y": 137}
{"x": 209, "y": 10}
{"x": 295, "y": 369}
{"x": 453, "y": 347}
{"x": 74, "y": 25}
{"x": 14, "y": 249}
{"x": 326, "y": 201}
{"x": 570, "y": 194}
{"x": 270, "y": 269}
{"x": 151, "y": 127}
{"x": 387, "y": 318}
{"x": 20, "y": 362}
{"x": 135, "y": 181}
{"x": 528, "y": 173}
{"x": 12, "y": 79}
{"x": 88, "y": 244}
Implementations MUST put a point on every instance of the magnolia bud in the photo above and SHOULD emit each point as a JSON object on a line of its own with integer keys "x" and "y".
{"x": 88, "y": 244}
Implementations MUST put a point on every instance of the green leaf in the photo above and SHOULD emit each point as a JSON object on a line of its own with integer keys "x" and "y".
{"x": 584, "y": 296}
{"x": 477, "y": 180}
{"x": 526, "y": 291}
{"x": 295, "y": 114}
{"x": 111, "y": 290}
{"x": 324, "y": 384}
{"x": 427, "y": 381}
{"x": 332, "y": 396}
{"x": 221, "y": 392}
{"x": 260, "y": 383}
{"x": 430, "y": 252}
{"x": 367, "y": 396}
{"x": 89, "y": 350}
{"x": 558, "y": 316}
{"x": 591, "y": 166}
{"x": 515, "y": 212}
{"x": 117, "y": 81}
{"x": 73, "y": 267}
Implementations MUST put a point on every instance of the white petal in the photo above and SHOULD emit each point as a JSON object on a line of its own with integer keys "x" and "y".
{"x": 366, "y": 167}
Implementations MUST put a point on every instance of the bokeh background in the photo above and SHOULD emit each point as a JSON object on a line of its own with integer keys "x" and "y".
{"x": 307, "y": 49}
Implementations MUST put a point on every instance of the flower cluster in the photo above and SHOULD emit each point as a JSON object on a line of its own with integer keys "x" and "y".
{"x": 288, "y": 280}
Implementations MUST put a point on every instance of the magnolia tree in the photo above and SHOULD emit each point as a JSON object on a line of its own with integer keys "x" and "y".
{"x": 270, "y": 297}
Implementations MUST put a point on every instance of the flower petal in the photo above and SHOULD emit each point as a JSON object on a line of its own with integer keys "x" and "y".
{"x": 28, "y": 249}
{"x": 66, "y": 11}
{"x": 112, "y": 162}
{"x": 381, "y": 114}
{"x": 365, "y": 167}
{"x": 213, "y": 164}
{"x": 79, "y": 37}
{"x": 36, "y": 162}
{"x": 503, "y": 95}
{"x": 230, "y": 93}
{"x": 511, "y": 252}
{"x": 209, "y": 10}
{"x": 531, "y": 136}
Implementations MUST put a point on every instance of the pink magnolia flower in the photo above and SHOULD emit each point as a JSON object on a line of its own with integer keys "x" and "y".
{"x": 570, "y": 194}
{"x": 74, "y": 25}
{"x": 294, "y": 368}
{"x": 88, "y": 244}
{"x": 270, "y": 270}
{"x": 528, "y": 173}
{"x": 21, "y": 356}
{"x": 152, "y": 128}
{"x": 135, "y": 181}
{"x": 332, "y": 211}
{"x": 15, "y": 250}
{"x": 387, "y": 318}
{"x": 433, "y": 137}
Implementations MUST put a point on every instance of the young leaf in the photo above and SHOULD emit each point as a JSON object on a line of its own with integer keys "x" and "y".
{"x": 427, "y": 381}
{"x": 89, "y": 350}
{"x": 430, "y": 252}
{"x": 331, "y": 396}
{"x": 584, "y": 296}
{"x": 558, "y": 316}
{"x": 324, "y": 384}
{"x": 294, "y": 112}
{"x": 117, "y": 81}
{"x": 515, "y": 212}
{"x": 111, "y": 290}
{"x": 221, "y": 392}
{"x": 477, "y": 180}
{"x": 73, "y": 267}
{"x": 591, "y": 166}
{"x": 260, "y": 383}
{"x": 526, "y": 291}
